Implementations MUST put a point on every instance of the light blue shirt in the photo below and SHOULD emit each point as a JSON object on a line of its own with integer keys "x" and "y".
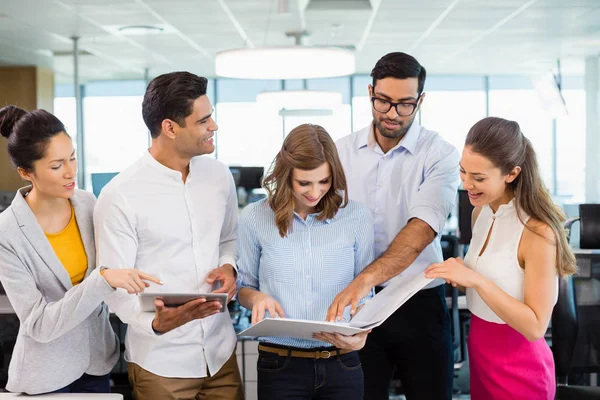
{"x": 305, "y": 270}
{"x": 418, "y": 178}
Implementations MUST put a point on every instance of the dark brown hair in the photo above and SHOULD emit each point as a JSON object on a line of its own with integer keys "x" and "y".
{"x": 502, "y": 142}
{"x": 400, "y": 66}
{"x": 28, "y": 134}
{"x": 171, "y": 96}
{"x": 306, "y": 147}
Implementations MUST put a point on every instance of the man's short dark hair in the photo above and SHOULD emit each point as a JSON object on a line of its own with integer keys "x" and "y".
{"x": 171, "y": 96}
{"x": 400, "y": 66}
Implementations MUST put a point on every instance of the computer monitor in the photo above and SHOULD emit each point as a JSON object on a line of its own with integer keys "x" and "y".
{"x": 465, "y": 211}
{"x": 100, "y": 179}
{"x": 248, "y": 177}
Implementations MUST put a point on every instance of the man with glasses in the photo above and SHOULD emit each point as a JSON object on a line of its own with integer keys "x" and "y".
{"x": 408, "y": 177}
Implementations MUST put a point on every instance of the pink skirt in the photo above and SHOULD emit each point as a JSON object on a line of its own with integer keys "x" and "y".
{"x": 505, "y": 365}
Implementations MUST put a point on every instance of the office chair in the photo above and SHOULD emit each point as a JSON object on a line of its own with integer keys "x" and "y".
{"x": 565, "y": 322}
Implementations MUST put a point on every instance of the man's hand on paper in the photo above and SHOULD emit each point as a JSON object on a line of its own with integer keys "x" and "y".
{"x": 263, "y": 302}
{"x": 352, "y": 294}
{"x": 169, "y": 318}
{"x": 226, "y": 275}
{"x": 343, "y": 342}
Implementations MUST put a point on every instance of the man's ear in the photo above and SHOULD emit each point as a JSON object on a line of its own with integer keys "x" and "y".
{"x": 420, "y": 102}
{"x": 371, "y": 90}
{"x": 169, "y": 128}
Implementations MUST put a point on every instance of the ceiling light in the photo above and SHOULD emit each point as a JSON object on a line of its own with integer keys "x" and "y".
{"x": 292, "y": 62}
{"x": 140, "y": 29}
{"x": 299, "y": 99}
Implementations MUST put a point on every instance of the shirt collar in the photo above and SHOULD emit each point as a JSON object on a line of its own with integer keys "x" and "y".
{"x": 504, "y": 209}
{"x": 164, "y": 170}
{"x": 366, "y": 137}
{"x": 314, "y": 217}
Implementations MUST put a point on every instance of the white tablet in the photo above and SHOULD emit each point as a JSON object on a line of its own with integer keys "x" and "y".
{"x": 177, "y": 299}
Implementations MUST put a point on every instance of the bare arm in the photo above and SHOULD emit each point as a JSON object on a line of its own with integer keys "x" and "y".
{"x": 404, "y": 249}
{"x": 427, "y": 215}
{"x": 532, "y": 316}
{"x": 537, "y": 255}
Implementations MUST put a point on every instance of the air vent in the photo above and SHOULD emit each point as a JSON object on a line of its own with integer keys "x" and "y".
{"x": 69, "y": 53}
{"x": 338, "y": 5}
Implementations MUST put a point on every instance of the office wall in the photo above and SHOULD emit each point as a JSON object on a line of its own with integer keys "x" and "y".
{"x": 28, "y": 88}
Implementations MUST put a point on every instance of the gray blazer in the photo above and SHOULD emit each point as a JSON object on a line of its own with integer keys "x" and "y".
{"x": 64, "y": 330}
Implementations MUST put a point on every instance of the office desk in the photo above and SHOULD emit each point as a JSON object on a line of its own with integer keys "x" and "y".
{"x": 63, "y": 396}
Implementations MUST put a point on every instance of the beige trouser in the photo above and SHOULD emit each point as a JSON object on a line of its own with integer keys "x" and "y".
{"x": 225, "y": 385}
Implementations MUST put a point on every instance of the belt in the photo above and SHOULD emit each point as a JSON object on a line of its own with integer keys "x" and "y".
{"x": 315, "y": 354}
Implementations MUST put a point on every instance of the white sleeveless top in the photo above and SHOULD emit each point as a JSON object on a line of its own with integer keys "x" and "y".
{"x": 499, "y": 262}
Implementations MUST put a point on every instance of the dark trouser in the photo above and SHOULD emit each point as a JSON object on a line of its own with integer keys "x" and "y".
{"x": 283, "y": 377}
{"x": 88, "y": 384}
{"x": 417, "y": 341}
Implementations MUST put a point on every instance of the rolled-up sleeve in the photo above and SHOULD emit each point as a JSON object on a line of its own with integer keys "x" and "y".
{"x": 436, "y": 195}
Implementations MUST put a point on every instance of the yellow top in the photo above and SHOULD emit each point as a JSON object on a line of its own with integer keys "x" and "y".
{"x": 68, "y": 246}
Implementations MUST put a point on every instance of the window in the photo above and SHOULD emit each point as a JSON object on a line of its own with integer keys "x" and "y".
{"x": 65, "y": 110}
{"x": 115, "y": 134}
{"x": 249, "y": 135}
{"x": 570, "y": 148}
{"x": 452, "y": 113}
{"x": 517, "y": 100}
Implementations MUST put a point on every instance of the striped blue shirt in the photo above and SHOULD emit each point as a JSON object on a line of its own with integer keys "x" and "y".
{"x": 305, "y": 270}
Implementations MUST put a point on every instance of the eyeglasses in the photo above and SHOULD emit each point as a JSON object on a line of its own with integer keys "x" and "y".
{"x": 402, "y": 109}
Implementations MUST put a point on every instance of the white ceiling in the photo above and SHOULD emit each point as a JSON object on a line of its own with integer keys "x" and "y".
{"x": 446, "y": 36}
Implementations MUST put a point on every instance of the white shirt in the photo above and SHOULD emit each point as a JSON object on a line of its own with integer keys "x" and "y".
{"x": 417, "y": 178}
{"x": 148, "y": 218}
{"x": 499, "y": 261}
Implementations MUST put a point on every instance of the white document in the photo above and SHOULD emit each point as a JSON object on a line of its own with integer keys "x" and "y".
{"x": 298, "y": 328}
{"x": 372, "y": 314}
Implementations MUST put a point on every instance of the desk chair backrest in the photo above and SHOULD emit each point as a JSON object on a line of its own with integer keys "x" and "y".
{"x": 589, "y": 219}
{"x": 565, "y": 323}
{"x": 565, "y": 328}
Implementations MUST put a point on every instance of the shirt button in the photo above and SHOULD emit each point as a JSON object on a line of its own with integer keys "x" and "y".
{"x": 308, "y": 276}
{"x": 377, "y": 240}
{"x": 306, "y": 251}
{"x": 309, "y": 302}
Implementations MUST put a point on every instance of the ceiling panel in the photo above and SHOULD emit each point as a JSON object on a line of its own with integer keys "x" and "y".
{"x": 448, "y": 36}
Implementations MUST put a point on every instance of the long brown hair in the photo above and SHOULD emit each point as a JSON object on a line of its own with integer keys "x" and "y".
{"x": 502, "y": 142}
{"x": 306, "y": 147}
